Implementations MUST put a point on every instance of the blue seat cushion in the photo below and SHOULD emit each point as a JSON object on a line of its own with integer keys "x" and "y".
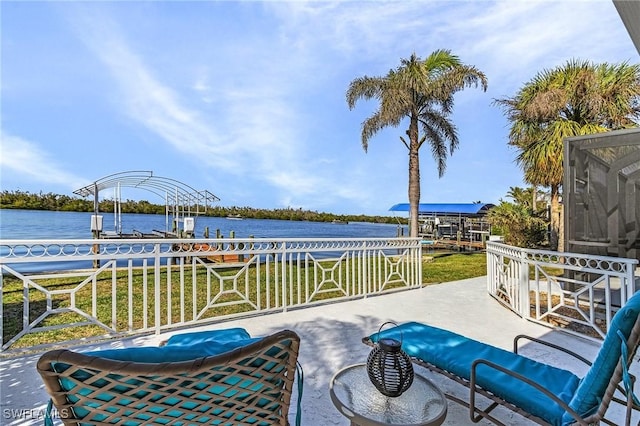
{"x": 456, "y": 353}
{"x": 593, "y": 385}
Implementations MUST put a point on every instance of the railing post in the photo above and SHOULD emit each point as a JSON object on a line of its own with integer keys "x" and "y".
{"x": 365, "y": 269}
{"x": 96, "y": 247}
{"x": 283, "y": 275}
{"x": 490, "y": 261}
{"x": 630, "y": 281}
{"x": 25, "y": 305}
{"x": 419, "y": 283}
{"x": 523, "y": 285}
{"x": 157, "y": 283}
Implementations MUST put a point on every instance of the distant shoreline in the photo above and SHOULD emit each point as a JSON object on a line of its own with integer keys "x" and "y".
{"x": 56, "y": 202}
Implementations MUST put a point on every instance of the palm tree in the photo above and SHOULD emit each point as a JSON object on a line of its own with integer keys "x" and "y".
{"x": 422, "y": 91}
{"x": 578, "y": 98}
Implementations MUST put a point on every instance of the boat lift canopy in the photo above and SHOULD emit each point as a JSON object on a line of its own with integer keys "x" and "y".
{"x": 181, "y": 199}
{"x": 446, "y": 209}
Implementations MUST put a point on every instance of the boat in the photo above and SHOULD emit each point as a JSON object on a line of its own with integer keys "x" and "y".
{"x": 234, "y": 217}
{"x": 340, "y": 222}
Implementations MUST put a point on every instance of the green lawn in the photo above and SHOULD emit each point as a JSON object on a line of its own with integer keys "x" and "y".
{"x": 447, "y": 267}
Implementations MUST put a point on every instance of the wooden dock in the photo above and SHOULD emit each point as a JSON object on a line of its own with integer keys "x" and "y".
{"x": 455, "y": 245}
{"x": 213, "y": 255}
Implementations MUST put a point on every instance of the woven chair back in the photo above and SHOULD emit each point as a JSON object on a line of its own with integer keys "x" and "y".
{"x": 250, "y": 385}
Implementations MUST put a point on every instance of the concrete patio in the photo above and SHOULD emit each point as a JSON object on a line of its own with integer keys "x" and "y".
{"x": 331, "y": 339}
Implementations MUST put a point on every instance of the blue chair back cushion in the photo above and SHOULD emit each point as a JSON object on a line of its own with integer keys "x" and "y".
{"x": 455, "y": 353}
{"x": 182, "y": 347}
{"x": 593, "y": 385}
{"x": 224, "y": 335}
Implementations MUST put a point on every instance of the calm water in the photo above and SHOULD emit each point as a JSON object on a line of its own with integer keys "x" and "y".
{"x": 31, "y": 224}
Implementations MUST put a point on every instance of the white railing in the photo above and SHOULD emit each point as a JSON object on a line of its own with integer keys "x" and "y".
{"x": 120, "y": 287}
{"x": 578, "y": 292}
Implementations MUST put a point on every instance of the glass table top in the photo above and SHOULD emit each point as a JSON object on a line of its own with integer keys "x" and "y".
{"x": 357, "y": 398}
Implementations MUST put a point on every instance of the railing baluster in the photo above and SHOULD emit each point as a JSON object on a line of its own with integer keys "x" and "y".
{"x": 194, "y": 290}
{"x": 182, "y": 294}
{"x": 130, "y": 295}
{"x": 145, "y": 296}
{"x": 114, "y": 298}
{"x": 156, "y": 288}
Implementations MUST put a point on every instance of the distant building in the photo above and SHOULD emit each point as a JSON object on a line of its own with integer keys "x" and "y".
{"x": 465, "y": 221}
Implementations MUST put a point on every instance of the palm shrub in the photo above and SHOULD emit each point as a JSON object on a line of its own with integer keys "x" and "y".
{"x": 520, "y": 223}
{"x": 578, "y": 98}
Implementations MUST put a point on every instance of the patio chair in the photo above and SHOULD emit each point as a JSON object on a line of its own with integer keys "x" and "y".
{"x": 540, "y": 392}
{"x": 220, "y": 377}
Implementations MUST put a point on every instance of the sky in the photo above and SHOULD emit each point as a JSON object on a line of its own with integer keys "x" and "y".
{"x": 246, "y": 99}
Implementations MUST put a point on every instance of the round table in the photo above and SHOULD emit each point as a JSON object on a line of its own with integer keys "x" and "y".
{"x": 356, "y": 397}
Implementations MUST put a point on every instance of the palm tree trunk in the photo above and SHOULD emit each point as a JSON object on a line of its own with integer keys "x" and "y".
{"x": 414, "y": 176}
{"x": 555, "y": 217}
{"x": 561, "y": 246}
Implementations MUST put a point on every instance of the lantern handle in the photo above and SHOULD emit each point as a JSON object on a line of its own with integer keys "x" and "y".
{"x": 394, "y": 323}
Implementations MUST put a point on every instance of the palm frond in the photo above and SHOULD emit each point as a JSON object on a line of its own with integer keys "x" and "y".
{"x": 364, "y": 88}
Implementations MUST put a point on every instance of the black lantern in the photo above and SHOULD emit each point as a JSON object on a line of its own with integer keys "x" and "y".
{"x": 389, "y": 367}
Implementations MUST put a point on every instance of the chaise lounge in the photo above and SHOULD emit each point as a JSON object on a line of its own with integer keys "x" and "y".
{"x": 215, "y": 378}
{"x": 542, "y": 393}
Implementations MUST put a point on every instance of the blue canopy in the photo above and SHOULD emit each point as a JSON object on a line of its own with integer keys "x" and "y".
{"x": 446, "y": 208}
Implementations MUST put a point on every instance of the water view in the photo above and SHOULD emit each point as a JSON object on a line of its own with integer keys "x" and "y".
{"x": 48, "y": 225}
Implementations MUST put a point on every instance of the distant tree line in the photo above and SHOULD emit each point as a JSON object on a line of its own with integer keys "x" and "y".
{"x": 56, "y": 202}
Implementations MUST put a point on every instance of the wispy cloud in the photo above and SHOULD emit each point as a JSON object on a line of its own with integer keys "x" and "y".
{"x": 504, "y": 38}
{"x": 146, "y": 100}
{"x": 256, "y": 131}
{"x": 518, "y": 37}
{"x": 28, "y": 160}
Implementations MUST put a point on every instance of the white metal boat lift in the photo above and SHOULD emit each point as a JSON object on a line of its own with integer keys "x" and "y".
{"x": 183, "y": 203}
